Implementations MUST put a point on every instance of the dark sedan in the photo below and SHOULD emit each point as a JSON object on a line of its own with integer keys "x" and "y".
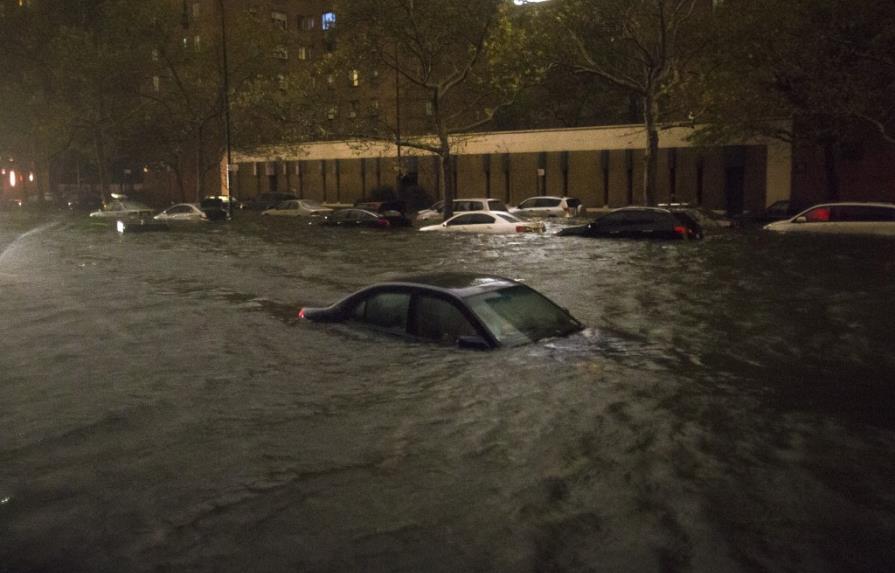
{"x": 639, "y": 223}
{"x": 462, "y": 309}
{"x": 356, "y": 218}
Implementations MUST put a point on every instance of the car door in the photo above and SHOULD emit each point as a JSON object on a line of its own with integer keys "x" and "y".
{"x": 438, "y": 319}
{"x": 862, "y": 219}
{"x": 384, "y": 310}
{"x": 470, "y": 223}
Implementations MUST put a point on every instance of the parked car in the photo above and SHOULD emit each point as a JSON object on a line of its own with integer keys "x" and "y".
{"x": 841, "y": 218}
{"x": 218, "y": 207}
{"x": 298, "y": 208}
{"x": 494, "y": 222}
{"x": 639, "y": 223}
{"x": 709, "y": 220}
{"x": 267, "y": 200}
{"x": 463, "y": 309}
{"x": 182, "y": 212}
{"x": 436, "y": 212}
{"x": 355, "y": 218}
{"x": 123, "y": 209}
{"x": 394, "y": 211}
{"x": 549, "y": 207}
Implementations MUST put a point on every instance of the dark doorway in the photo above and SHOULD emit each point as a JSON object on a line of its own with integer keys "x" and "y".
{"x": 733, "y": 190}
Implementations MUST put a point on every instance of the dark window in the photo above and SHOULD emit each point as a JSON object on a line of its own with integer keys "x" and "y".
{"x": 548, "y": 202}
{"x": 496, "y": 205}
{"x": 528, "y": 203}
{"x": 472, "y": 219}
{"x": 388, "y": 310}
{"x": 518, "y": 314}
{"x": 573, "y": 203}
{"x": 818, "y": 215}
{"x": 440, "y": 320}
{"x": 867, "y": 213}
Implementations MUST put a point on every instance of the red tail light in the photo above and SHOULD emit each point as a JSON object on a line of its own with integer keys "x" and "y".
{"x": 682, "y": 231}
{"x": 522, "y": 229}
{"x": 301, "y": 313}
{"x": 382, "y": 223}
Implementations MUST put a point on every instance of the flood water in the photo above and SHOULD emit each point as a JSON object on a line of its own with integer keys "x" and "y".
{"x": 729, "y": 408}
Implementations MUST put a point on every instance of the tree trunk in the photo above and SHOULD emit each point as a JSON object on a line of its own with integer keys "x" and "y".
{"x": 447, "y": 176}
{"x": 831, "y": 171}
{"x": 200, "y": 172}
{"x": 99, "y": 150}
{"x": 651, "y": 153}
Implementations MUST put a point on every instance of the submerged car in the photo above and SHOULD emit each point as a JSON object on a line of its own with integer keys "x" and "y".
{"x": 298, "y": 208}
{"x": 709, "y": 220}
{"x": 182, "y": 212}
{"x": 546, "y": 206}
{"x": 123, "y": 209}
{"x": 846, "y": 218}
{"x": 639, "y": 223}
{"x": 468, "y": 310}
{"x": 395, "y": 212}
{"x": 355, "y": 218}
{"x": 494, "y": 223}
{"x": 436, "y": 212}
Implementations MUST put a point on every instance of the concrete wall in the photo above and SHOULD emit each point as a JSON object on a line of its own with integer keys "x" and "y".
{"x": 516, "y": 165}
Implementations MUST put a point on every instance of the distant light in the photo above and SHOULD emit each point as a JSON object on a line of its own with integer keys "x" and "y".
{"x": 12, "y": 178}
{"x": 120, "y": 226}
{"x": 31, "y": 177}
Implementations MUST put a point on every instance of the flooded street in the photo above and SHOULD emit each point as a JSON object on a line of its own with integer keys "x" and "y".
{"x": 729, "y": 407}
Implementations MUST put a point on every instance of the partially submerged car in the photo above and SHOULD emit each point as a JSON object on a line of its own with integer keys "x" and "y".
{"x": 467, "y": 310}
{"x": 846, "y": 218}
{"x": 123, "y": 209}
{"x": 493, "y": 222}
{"x": 298, "y": 208}
{"x": 395, "y": 212}
{"x": 355, "y": 218}
{"x": 436, "y": 212}
{"x": 182, "y": 212}
{"x": 639, "y": 223}
{"x": 546, "y": 206}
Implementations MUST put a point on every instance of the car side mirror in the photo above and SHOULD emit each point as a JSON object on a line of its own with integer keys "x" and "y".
{"x": 473, "y": 343}
{"x": 801, "y": 219}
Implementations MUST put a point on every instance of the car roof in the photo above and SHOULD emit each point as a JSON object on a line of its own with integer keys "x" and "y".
{"x": 461, "y": 284}
{"x": 853, "y": 204}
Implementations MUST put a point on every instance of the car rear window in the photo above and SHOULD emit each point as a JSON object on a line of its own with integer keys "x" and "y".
{"x": 573, "y": 203}
{"x": 496, "y": 205}
{"x": 865, "y": 213}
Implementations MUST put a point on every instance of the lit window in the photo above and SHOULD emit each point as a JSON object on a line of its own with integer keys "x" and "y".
{"x": 279, "y": 20}
{"x": 330, "y": 79}
{"x": 329, "y": 20}
{"x": 354, "y": 78}
{"x": 282, "y": 83}
{"x": 197, "y": 42}
{"x": 156, "y": 82}
{"x": 154, "y": 55}
{"x": 304, "y": 53}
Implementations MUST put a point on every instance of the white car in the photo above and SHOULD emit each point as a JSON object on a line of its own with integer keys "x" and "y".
{"x": 298, "y": 208}
{"x": 852, "y": 218}
{"x": 549, "y": 207}
{"x": 182, "y": 212}
{"x": 492, "y": 222}
{"x": 436, "y": 212}
{"x": 123, "y": 209}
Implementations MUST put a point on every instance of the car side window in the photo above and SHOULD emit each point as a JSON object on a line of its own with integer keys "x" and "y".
{"x": 864, "y": 213}
{"x": 528, "y": 203}
{"x": 818, "y": 215}
{"x": 461, "y": 220}
{"x": 439, "y": 320}
{"x": 387, "y": 310}
{"x": 496, "y": 205}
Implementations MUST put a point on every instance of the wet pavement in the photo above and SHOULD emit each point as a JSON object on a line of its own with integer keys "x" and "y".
{"x": 728, "y": 407}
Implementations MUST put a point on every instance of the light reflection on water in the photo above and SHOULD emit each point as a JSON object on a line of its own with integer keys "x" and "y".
{"x": 727, "y": 408}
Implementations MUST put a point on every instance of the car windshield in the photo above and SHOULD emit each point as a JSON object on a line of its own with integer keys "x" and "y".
{"x": 519, "y": 315}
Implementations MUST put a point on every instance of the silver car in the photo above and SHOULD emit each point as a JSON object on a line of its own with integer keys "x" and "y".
{"x": 847, "y": 218}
